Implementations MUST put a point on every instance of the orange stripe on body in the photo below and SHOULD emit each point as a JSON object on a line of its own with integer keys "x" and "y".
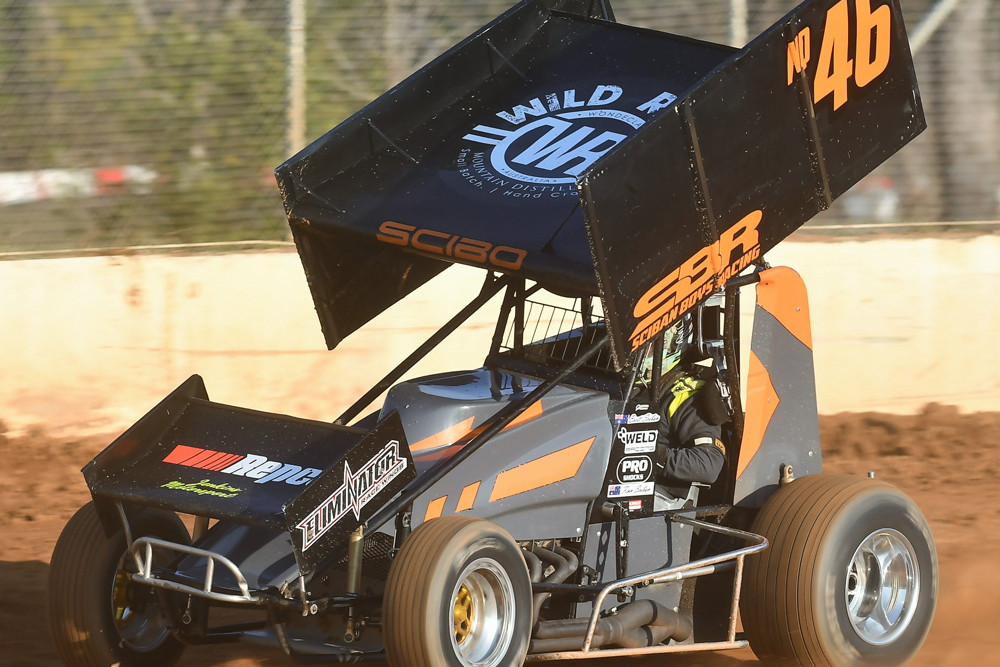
{"x": 762, "y": 401}
{"x": 545, "y": 470}
{"x": 452, "y": 434}
{"x": 468, "y": 497}
{"x": 461, "y": 433}
{"x": 782, "y": 293}
{"x": 435, "y": 508}
{"x": 533, "y": 411}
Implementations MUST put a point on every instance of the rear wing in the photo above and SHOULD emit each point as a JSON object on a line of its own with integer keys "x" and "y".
{"x": 599, "y": 159}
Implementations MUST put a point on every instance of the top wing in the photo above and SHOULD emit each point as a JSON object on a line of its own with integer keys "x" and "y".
{"x": 599, "y": 159}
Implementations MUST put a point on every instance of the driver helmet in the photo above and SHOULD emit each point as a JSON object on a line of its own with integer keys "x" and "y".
{"x": 676, "y": 338}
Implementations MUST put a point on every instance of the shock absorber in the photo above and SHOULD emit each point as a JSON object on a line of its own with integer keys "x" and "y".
{"x": 355, "y": 554}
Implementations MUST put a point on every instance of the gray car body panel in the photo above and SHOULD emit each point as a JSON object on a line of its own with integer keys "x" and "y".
{"x": 654, "y": 543}
{"x": 536, "y": 478}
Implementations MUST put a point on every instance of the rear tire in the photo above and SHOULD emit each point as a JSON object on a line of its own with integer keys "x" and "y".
{"x": 97, "y": 616}
{"x": 849, "y": 580}
{"x": 457, "y": 595}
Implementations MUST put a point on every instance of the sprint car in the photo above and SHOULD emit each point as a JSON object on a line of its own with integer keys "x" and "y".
{"x": 608, "y": 180}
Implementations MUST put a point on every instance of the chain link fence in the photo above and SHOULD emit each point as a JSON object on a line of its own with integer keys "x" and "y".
{"x": 134, "y": 122}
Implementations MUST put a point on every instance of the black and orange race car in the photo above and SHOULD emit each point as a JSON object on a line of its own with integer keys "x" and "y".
{"x": 610, "y": 181}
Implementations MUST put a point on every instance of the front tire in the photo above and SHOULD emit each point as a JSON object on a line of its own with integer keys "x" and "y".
{"x": 98, "y": 617}
{"x": 849, "y": 580}
{"x": 458, "y": 594}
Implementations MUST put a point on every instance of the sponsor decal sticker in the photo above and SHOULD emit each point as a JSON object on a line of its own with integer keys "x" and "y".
{"x": 636, "y": 437}
{"x": 204, "y": 488}
{"x": 637, "y": 442}
{"x": 462, "y": 248}
{"x": 537, "y": 148}
{"x": 641, "y": 448}
{"x": 634, "y": 469}
{"x": 648, "y": 418}
{"x": 253, "y": 466}
{"x": 701, "y": 274}
{"x": 634, "y": 505}
{"x": 356, "y": 491}
{"x": 630, "y": 489}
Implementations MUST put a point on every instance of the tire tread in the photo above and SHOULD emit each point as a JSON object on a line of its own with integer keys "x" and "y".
{"x": 76, "y": 595}
{"x": 415, "y": 577}
{"x": 779, "y": 617}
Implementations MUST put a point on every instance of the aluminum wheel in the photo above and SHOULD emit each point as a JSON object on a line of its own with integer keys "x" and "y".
{"x": 458, "y": 594}
{"x": 883, "y": 586}
{"x": 484, "y": 608}
{"x": 97, "y": 614}
{"x": 850, "y": 578}
{"x": 136, "y": 611}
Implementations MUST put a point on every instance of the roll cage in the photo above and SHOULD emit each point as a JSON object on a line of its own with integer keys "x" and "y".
{"x": 565, "y": 340}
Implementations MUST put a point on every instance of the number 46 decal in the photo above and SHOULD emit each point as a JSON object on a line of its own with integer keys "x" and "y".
{"x": 835, "y": 66}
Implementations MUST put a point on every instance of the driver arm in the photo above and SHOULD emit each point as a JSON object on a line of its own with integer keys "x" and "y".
{"x": 695, "y": 452}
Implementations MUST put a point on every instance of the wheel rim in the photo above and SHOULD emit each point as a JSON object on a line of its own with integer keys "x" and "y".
{"x": 883, "y": 586}
{"x": 137, "y": 614}
{"x": 483, "y": 613}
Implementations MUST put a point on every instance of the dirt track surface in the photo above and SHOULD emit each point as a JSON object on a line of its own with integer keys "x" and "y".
{"x": 948, "y": 462}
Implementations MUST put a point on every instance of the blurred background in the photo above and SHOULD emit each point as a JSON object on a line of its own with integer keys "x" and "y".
{"x": 141, "y": 122}
{"x": 142, "y": 237}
